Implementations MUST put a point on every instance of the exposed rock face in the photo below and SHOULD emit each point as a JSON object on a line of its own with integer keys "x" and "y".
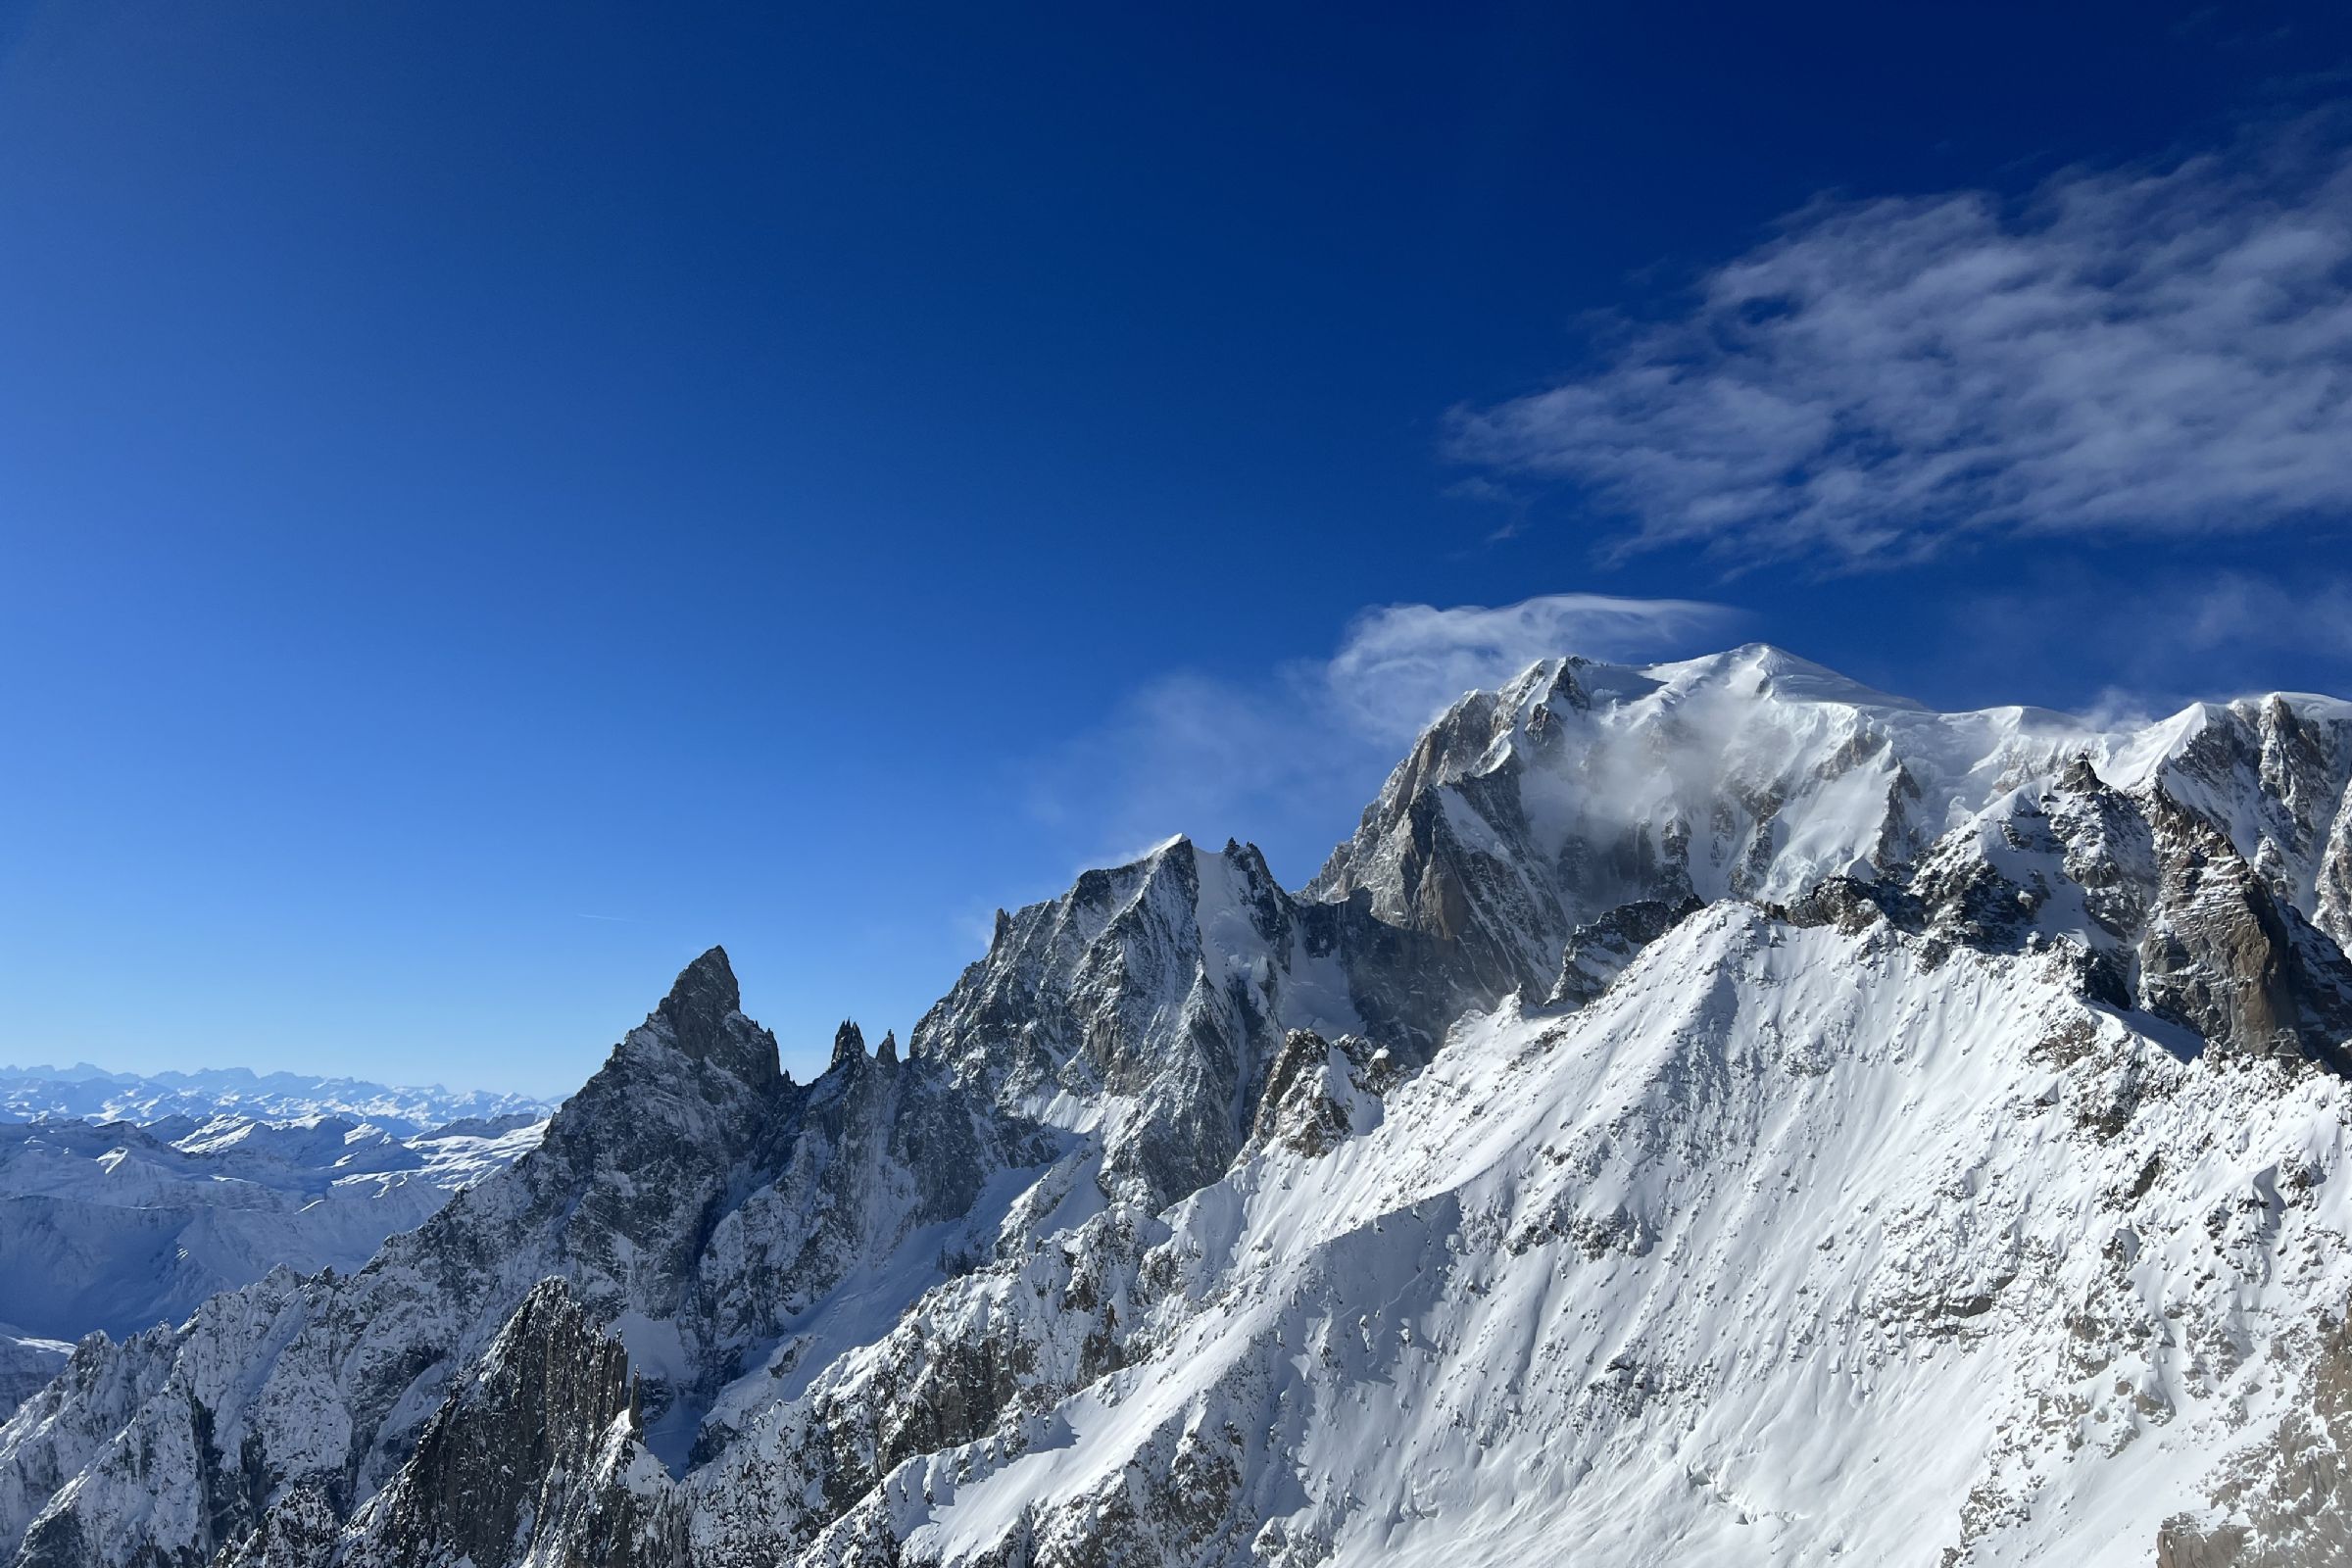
{"x": 2272, "y": 772}
{"x": 302, "y": 1529}
{"x": 2284, "y": 1503}
{"x": 892, "y": 1177}
{"x": 2234, "y": 960}
{"x": 526, "y": 1451}
{"x": 1669, "y": 1050}
{"x": 1599, "y": 950}
{"x": 1579, "y": 788}
{"x": 1145, "y": 1005}
{"x": 1524, "y": 814}
{"x": 101, "y": 1392}
{"x": 1320, "y": 1093}
{"x": 2160, "y": 910}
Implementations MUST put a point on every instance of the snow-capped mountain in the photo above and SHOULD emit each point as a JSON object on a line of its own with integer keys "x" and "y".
{"x": 1707, "y": 1113}
{"x": 127, "y": 1199}
{"x": 1583, "y": 788}
{"x": 117, "y": 1228}
{"x": 29, "y": 1094}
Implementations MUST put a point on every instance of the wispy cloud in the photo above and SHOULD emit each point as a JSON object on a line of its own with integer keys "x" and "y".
{"x": 1288, "y": 759}
{"x": 2168, "y": 638}
{"x": 2166, "y": 348}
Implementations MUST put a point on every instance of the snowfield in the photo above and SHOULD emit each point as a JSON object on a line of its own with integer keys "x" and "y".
{"x": 1824, "y": 1254}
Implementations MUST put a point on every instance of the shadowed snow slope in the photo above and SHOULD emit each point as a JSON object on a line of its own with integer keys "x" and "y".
{"x": 117, "y": 1228}
{"x": 1708, "y": 1113}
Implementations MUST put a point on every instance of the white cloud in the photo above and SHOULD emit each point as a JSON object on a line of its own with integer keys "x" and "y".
{"x": 1289, "y": 759}
{"x": 2166, "y": 350}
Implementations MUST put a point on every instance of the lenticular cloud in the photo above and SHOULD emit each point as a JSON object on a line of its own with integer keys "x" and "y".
{"x": 2156, "y": 350}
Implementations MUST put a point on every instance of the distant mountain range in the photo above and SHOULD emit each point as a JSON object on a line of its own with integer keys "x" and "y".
{"x": 1705, "y": 1113}
{"x": 126, "y": 1199}
{"x": 116, "y": 1227}
{"x": 95, "y": 1094}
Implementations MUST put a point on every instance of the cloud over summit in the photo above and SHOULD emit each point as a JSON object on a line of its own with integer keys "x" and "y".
{"x": 1289, "y": 757}
{"x": 2163, "y": 350}
{"x": 1400, "y": 664}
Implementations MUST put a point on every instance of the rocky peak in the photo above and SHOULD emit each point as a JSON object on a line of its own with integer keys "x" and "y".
{"x": 849, "y": 1045}
{"x": 699, "y": 1004}
{"x": 1600, "y": 949}
{"x": 1320, "y": 1093}
{"x": 703, "y": 1012}
{"x": 2079, "y": 776}
{"x": 2275, "y": 775}
{"x": 1524, "y": 814}
{"x": 2226, "y": 956}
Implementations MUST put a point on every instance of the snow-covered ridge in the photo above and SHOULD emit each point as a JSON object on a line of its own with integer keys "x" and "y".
{"x": 1582, "y": 786}
{"x": 93, "y": 1093}
{"x": 1711, "y": 1112}
{"x": 1835, "y": 1255}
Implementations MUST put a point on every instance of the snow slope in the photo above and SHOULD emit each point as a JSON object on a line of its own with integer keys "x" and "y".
{"x": 1836, "y": 1254}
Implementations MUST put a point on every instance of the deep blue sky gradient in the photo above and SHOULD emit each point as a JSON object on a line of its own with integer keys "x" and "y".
{"x": 494, "y": 499}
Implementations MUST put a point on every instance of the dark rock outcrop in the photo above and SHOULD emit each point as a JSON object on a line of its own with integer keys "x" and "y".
{"x": 531, "y": 1454}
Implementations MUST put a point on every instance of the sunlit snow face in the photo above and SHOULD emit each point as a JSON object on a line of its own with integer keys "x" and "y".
{"x": 1760, "y": 773}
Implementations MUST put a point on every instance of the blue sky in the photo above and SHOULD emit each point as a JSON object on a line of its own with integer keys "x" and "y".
{"x": 494, "y": 499}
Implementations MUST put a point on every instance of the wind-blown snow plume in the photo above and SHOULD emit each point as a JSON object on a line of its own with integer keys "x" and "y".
{"x": 1308, "y": 741}
{"x": 1401, "y": 665}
